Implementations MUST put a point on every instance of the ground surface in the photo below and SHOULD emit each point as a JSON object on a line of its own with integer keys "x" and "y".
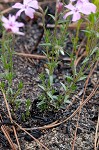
{"x": 61, "y": 137}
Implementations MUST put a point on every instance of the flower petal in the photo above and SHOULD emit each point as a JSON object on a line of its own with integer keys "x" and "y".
{"x": 70, "y": 6}
{"x": 88, "y": 8}
{"x": 33, "y": 4}
{"x": 18, "y": 6}
{"x": 16, "y": 31}
{"x": 4, "y": 19}
{"x": 26, "y": 1}
{"x": 19, "y": 12}
{"x": 91, "y": 7}
{"x": 30, "y": 12}
{"x": 76, "y": 16}
{"x": 19, "y": 24}
{"x": 67, "y": 14}
{"x": 12, "y": 18}
{"x": 6, "y": 26}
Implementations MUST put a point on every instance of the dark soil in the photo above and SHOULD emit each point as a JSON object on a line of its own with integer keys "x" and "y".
{"x": 27, "y": 70}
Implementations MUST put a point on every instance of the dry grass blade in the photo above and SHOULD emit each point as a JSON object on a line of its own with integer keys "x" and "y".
{"x": 14, "y": 130}
{"x": 20, "y": 126}
{"x": 29, "y": 133}
{"x": 71, "y": 26}
{"x": 31, "y": 136}
{"x": 79, "y": 58}
{"x": 31, "y": 56}
{"x": 4, "y": 130}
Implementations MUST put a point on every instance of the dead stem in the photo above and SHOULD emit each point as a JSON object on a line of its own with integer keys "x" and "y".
{"x": 23, "y": 129}
{"x": 34, "y": 56}
{"x": 96, "y": 135}
{"x": 8, "y": 109}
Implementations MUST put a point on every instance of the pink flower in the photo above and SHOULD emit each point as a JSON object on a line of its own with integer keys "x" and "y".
{"x": 86, "y": 7}
{"x": 74, "y": 11}
{"x": 28, "y": 7}
{"x": 12, "y": 25}
{"x": 82, "y": 6}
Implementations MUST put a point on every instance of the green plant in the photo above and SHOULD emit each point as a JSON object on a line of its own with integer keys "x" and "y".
{"x": 50, "y": 98}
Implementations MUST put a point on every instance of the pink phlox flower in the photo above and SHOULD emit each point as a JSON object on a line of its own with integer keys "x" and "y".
{"x": 86, "y": 7}
{"x": 82, "y": 6}
{"x": 28, "y": 7}
{"x": 12, "y": 25}
{"x": 74, "y": 11}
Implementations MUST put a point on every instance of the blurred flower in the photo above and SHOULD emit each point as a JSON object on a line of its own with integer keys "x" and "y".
{"x": 28, "y": 7}
{"x": 82, "y": 6}
{"x": 12, "y": 25}
{"x": 86, "y": 7}
{"x": 59, "y": 7}
{"x": 74, "y": 11}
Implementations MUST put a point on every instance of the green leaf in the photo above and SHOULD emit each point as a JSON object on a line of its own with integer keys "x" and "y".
{"x": 73, "y": 87}
{"x": 45, "y": 44}
{"x": 42, "y": 87}
{"x": 63, "y": 85}
{"x": 82, "y": 78}
{"x": 2, "y": 85}
{"x": 69, "y": 78}
{"x": 20, "y": 85}
{"x": 47, "y": 70}
{"x": 46, "y": 10}
{"x": 2, "y": 75}
{"x": 66, "y": 98}
{"x": 85, "y": 60}
{"x": 53, "y": 17}
{"x": 97, "y": 34}
{"x": 68, "y": 102}
{"x": 51, "y": 79}
{"x": 86, "y": 31}
{"x": 50, "y": 95}
{"x": 17, "y": 103}
{"x": 63, "y": 21}
{"x": 28, "y": 103}
{"x": 55, "y": 97}
{"x": 62, "y": 51}
{"x": 94, "y": 50}
{"x": 41, "y": 103}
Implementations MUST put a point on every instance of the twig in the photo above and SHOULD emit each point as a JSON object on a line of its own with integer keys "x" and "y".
{"x": 20, "y": 126}
{"x": 6, "y": 11}
{"x": 4, "y": 130}
{"x": 23, "y": 129}
{"x": 35, "y": 56}
{"x": 96, "y": 134}
{"x": 79, "y": 58}
{"x": 71, "y": 26}
{"x": 80, "y": 46}
{"x": 7, "y": 106}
